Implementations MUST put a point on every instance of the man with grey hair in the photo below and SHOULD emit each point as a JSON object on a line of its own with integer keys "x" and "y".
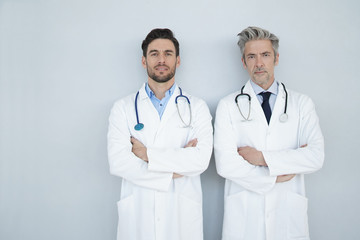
{"x": 266, "y": 139}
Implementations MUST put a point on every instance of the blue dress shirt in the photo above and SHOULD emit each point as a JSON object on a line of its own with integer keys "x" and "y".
{"x": 273, "y": 89}
{"x": 159, "y": 105}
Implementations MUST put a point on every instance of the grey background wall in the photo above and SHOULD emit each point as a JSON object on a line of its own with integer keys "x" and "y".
{"x": 63, "y": 64}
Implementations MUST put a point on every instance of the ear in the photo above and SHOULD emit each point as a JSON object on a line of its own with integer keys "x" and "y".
{"x": 244, "y": 63}
{"x": 143, "y": 62}
{"x": 178, "y": 61}
{"x": 276, "y": 59}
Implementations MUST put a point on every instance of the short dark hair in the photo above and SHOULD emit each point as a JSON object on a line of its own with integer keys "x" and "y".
{"x": 162, "y": 33}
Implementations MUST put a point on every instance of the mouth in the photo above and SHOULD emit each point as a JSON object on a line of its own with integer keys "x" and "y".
{"x": 259, "y": 72}
{"x": 161, "y": 68}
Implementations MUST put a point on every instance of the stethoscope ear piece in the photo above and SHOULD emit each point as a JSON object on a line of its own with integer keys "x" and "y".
{"x": 139, "y": 126}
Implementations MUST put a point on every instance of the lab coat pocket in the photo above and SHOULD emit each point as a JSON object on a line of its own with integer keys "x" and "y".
{"x": 297, "y": 216}
{"x": 126, "y": 225}
{"x": 235, "y": 214}
{"x": 190, "y": 219}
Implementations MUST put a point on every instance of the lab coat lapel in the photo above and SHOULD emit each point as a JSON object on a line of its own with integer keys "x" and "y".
{"x": 146, "y": 110}
{"x": 147, "y": 105}
{"x": 170, "y": 107}
{"x": 256, "y": 109}
{"x": 279, "y": 106}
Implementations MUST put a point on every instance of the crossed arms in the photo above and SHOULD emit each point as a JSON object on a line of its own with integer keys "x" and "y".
{"x": 256, "y": 158}
{"x": 154, "y": 166}
{"x": 141, "y": 151}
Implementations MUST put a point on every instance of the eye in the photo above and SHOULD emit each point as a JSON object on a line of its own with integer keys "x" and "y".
{"x": 266, "y": 54}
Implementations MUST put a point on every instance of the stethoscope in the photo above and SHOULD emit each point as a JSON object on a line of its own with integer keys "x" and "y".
{"x": 140, "y": 125}
{"x": 283, "y": 117}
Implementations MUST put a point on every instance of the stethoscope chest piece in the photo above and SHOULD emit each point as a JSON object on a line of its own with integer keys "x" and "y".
{"x": 139, "y": 126}
{"x": 283, "y": 117}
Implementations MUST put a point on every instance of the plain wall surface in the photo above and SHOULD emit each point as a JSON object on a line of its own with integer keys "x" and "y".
{"x": 64, "y": 63}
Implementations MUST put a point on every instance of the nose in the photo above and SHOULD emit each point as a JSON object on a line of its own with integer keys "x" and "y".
{"x": 259, "y": 62}
{"x": 161, "y": 58}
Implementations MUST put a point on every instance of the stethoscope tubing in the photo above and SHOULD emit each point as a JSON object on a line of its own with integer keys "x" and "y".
{"x": 140, "y": 126}
{"x": 283, "y": 116}
{"x": 286, "y": 98}
{"x": 136, "y": 108}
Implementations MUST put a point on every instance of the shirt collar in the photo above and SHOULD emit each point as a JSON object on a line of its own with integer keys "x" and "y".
{"x": 151, "y": 94}
{"x": 273, "y": 88}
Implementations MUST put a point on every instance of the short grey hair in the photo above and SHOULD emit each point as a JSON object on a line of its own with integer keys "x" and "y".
{"x": 256, "y": 33}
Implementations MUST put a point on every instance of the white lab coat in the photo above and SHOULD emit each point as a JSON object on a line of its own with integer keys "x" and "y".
{"x": 257, "y": 208}
{"x": 152, "y": 204}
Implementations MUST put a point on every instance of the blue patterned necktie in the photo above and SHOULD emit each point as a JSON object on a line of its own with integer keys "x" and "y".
{"x": 265, "y": 105}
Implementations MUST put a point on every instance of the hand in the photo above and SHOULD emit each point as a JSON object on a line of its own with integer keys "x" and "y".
{"x": 284, "y": 178}
{"x": 139, "y": 149}
{"x": 252, "y": 155}
{"x": 287, "y": 177}
{"x": 191, "y": 143}
{"x": 175, "y": 175}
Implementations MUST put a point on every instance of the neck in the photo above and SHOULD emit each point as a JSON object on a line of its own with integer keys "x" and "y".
{"x": 160, "y": 89}
{"x": 266, "y": 85}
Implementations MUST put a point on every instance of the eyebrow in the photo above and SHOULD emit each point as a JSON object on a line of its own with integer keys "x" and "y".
{"x": 266, "y": 52}
{"x": 168, "y": 51}
{"x": 252, "y": 54}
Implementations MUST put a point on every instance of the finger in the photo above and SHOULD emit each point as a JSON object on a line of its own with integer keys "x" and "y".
{"x": 191, "y": 143}
{"x": 188, "y": 145}
{"x": 176, "y": 175}
{"x": 242, "y": 149}
{"x": 134, "y": 142}
{"x": 194, "y": 142}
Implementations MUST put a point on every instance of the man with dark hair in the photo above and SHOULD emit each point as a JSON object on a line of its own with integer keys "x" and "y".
{"x": 163, "y": 34}
{"x": 266, "y": 139}
{"x": 159, "y": 142}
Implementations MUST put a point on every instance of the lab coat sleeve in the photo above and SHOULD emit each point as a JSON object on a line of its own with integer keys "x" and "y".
{"x": 190, "y": 161}
{"x": 229, "y": 163}
{"x": 123, "y": 162}
{"x": 302, "y": 160}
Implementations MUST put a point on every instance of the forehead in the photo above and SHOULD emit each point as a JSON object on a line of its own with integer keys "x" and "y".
{"x": 258, "y": 46}
{"x": 161, "y": 45}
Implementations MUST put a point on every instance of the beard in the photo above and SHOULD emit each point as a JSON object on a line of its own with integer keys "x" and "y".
{"x": 161, "y": 78}
{"x": 261, "y": 80}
